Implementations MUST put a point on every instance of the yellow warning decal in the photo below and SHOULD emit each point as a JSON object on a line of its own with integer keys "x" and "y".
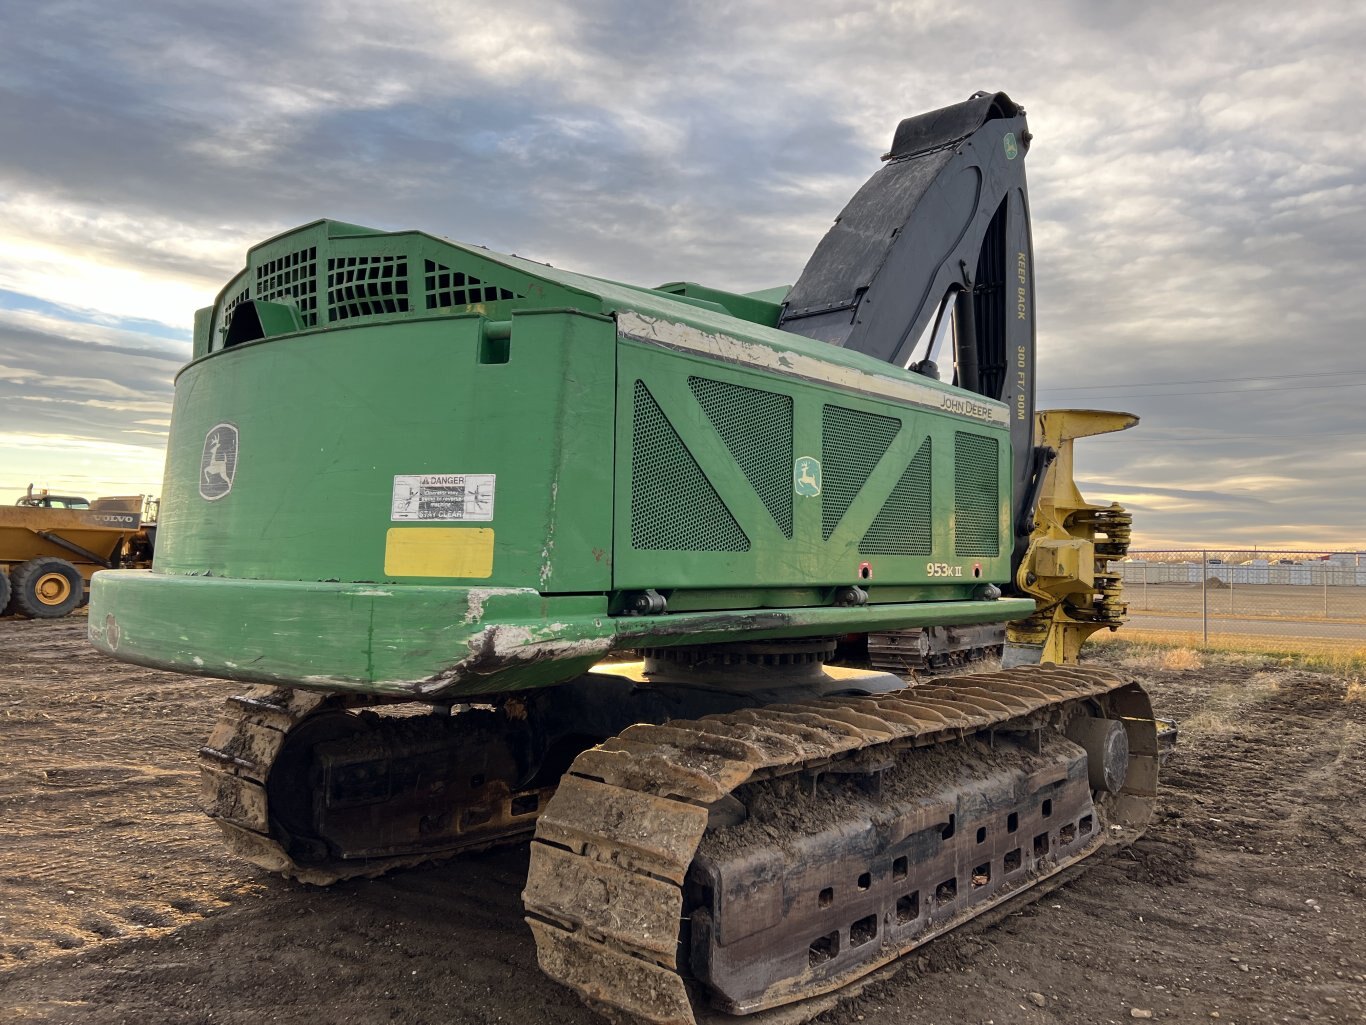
{"x": 439, "y": 552}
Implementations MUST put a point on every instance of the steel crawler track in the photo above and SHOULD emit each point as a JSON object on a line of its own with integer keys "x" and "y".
{"x": 612, "y": 894}
{"x": 236, "y": 761}
{"x": 246, "y": 746}
{"x": 611, "y": 890}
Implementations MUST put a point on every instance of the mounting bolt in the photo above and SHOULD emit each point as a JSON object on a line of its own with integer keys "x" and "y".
{"x": 645, "y": 603}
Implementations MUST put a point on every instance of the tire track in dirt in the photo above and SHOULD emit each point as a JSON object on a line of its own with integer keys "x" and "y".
{"x": 100, "y": 836}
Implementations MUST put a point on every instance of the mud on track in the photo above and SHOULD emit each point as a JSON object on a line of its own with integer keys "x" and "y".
{"x": 1247, "y": 898}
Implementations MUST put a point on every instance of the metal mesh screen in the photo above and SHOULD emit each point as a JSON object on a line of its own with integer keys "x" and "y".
{"x": 673, "y": 505}
{"x": 446, "y": 287}
{"x": 976, "y": 495}
{"x": 293, "y": 276}
{"x": 363, "y": 286}
{"x": 852, "y": 442}
{"x": 757, "y": 428}
{"x": 904, "y": 524}
{"x": 230, "y": 306}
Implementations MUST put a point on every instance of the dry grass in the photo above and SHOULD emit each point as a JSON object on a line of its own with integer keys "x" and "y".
{"x": 1339, "y": 663}
{"x": 1267, "y": 662}
{"x": 1144, "y": 656}
{"x": 1347, "y": 659}
{"x": 1182, "y": 658}
{"x": 1227, "y": 705}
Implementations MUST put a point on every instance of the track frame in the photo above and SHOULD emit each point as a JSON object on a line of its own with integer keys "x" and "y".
{"x": 615, "y": 846}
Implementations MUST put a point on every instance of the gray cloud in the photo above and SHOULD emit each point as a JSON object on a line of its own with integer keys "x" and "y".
{"x": 1196, "y": 180}
{"x": 51, "y": 384}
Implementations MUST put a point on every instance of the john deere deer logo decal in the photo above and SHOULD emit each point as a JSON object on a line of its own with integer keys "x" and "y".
{"x": 806, "y": 477}
{"x": 218, "y": 464}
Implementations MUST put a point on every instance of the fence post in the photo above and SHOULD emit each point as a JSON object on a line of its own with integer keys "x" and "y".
{"x": 1204, "y": 595}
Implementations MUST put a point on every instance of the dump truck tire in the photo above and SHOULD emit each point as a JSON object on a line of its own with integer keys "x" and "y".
{"x": 46, "y": 588}
{"x": 5, "y": 592}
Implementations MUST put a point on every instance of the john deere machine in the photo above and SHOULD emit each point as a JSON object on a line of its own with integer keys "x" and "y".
{"x": 508, "y": 548}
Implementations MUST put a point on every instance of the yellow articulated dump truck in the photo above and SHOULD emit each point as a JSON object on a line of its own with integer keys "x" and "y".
{"x": 51, "y": 545}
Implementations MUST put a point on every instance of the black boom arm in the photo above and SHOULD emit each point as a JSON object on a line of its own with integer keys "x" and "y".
{"x": 939, "y": 236}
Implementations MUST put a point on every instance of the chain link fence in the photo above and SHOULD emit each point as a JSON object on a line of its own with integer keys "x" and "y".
{"x": 1292, "y": 600}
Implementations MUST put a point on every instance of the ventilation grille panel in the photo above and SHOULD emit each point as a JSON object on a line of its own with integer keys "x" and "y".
{"x": 446, "y": 287}
{"x": 757, "y": 428}
{"x": 364, "y": 286}
{"x": 852, "y": 442}
{"x": 230, "y": 306}
{"x": 673, "y": 505}
{"x": 976, "y": 495}
{"x": 295, "y": 277}
{"x": 904, "y": 525}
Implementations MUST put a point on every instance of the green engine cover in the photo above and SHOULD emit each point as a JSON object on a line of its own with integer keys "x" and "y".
{"x": 401, "y": 464}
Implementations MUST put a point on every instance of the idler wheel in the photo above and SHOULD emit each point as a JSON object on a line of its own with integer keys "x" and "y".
{"x": 1106, "y": 744}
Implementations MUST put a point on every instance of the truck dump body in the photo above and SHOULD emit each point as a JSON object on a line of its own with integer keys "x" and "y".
{"x": 48, "y": 552}
{"x": 30, "y": 533}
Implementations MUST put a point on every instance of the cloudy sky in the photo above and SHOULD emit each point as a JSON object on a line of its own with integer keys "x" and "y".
{"x": 1198, "y": 182}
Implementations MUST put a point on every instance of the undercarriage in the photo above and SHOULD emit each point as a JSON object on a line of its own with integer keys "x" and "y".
{"x": 934, "y": 649}
{"x": 705, "y": 860}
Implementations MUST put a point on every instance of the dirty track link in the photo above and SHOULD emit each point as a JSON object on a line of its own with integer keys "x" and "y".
{"x": 923, "y": 651}
{"x": 757, "y": 861}
{"x": 319, "y": 789}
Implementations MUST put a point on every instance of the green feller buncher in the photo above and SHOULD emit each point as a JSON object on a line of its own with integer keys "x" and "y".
{"x": 602, "y": 540}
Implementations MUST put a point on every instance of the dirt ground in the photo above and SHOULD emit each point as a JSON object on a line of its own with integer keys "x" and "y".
{"x": 1246, "y": 902}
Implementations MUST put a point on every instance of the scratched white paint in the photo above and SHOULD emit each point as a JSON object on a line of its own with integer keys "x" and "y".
{"x": 476, "y": 596}
{"x": 509, "y": 644}
{"x": 316, "y": 682}
{"x": 523, "y": 643}
{"x": 546, "y": 562}
{"x": 674, "y": 335}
